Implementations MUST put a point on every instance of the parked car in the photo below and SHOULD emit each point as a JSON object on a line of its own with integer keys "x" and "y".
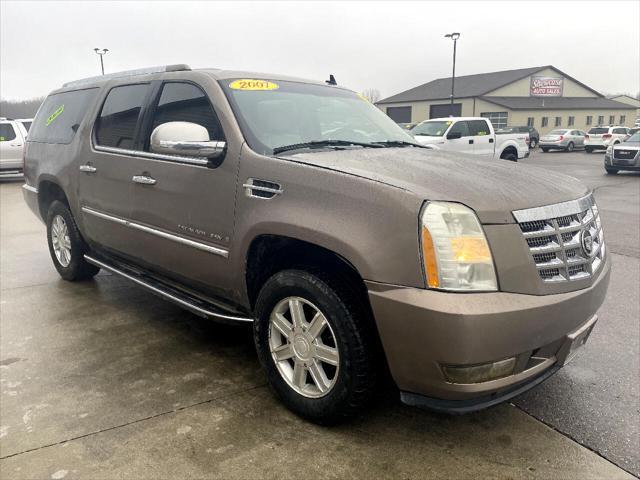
{"x": 12, "y": 138}
{"x": 473, "y": 135}
{"x": 631, "y": 132}
{"x": 534, "y": 136}
{"x": 623, "y": 156}
{"x": 222, "y": 192}
{"x": 563, "y": 139}
{"x": 599, "y": 138}
{"x": 25, "y": 122}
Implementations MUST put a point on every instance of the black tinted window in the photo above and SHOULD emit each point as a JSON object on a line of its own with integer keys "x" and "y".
{"x": 7, "y": 132}
{"x": 184, "y": 102}
{"x": 27, "y": 125}
{"x": 60, "y": 116}
{"x": 478, "y": 127}
{"x": 118, "y": 120}
{"x": 460, "y": 127}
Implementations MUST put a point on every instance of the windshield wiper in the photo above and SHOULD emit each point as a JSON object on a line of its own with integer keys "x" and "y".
{"x": 400, "y": 143}
{"x": 325, "y": 143}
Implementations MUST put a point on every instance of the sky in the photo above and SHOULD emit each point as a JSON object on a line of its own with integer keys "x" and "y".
{"x": 388, "y": 46}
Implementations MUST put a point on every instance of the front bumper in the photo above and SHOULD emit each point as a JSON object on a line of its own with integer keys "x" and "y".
{"x": 621, "y": 164}
{"x": 422, "y": 330}
{"x": 561, "y": 144}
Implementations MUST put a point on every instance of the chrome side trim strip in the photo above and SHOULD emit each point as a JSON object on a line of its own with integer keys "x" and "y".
{"x": 554, "y": 211}
{"x": 159, "y": 233}
{"x": 29, "y": 188}
{"x": 198, "y": 162}
{"x": 190, "y": 306}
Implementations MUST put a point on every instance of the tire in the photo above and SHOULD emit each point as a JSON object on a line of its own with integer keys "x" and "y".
{"x": 512, "y": 157}
{"x": 588, "y": 149}
{"x": 545, "y": 150}
{"x": 349, "y": 331}
{"x": 570, "y": 147}
{"x": 66, "y": 246}
{"x": 611, "y": 171}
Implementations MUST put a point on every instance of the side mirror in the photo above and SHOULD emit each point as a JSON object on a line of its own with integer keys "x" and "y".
{"x": 454, "y": 135}
{"x": 185, "y": 139}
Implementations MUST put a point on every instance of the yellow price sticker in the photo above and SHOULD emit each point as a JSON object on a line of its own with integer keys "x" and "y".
{"x": 252, "y": 84}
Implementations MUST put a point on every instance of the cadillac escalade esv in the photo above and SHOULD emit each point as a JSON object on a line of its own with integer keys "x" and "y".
{"x": 302, "y": 208}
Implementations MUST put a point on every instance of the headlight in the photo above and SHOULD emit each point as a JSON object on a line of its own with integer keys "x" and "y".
{"x": 455, "y": 250}
{"x": 610, "y": 149}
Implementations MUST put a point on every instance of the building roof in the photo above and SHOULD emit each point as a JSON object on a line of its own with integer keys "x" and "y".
{"x": 557, "y": 103}
{"x": 628, "y": 99}
{"x": 470, "y": 85}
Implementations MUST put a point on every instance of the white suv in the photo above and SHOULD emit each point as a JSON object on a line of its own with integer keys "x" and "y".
{"x": 599, "y": 138}
{"x": 12, "y": 138}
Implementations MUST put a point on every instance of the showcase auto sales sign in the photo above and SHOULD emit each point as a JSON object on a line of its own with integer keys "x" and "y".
{"x": 546, "y": 87}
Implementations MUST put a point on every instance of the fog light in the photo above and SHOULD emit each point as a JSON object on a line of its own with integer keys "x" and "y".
{"x": 479, "y": 373}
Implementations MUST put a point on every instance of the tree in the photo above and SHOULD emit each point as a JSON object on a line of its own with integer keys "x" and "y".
{"x": 371, "y": 94}
{"x": 20, "y": 108}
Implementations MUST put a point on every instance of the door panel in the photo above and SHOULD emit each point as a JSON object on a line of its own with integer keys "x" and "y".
{"x": 465, "y": 143}
{"x": 483, "y": 140}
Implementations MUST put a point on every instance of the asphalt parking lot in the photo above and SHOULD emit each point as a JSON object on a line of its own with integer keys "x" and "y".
{"x": 103, "y": 380}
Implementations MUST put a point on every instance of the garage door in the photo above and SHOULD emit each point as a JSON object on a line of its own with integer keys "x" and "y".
{"x": 400, "y": 114}
{"x": 445, "y": 110}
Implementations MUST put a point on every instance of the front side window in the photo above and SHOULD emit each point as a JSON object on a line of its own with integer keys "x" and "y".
{"x": 273, "y": 114}
{"x": 7, "y": 133}
{"x": 432, "y": 128}
{"x": 460, "y": 127}
{"x": 185, "y": 102}
{"x": 117, "y": 123}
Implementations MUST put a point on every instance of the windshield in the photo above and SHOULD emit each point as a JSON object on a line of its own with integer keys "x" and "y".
{"x": 634, "y": 138}
{"x": 274, "y": 114}
{"x": 431, "y": 129}
{"x": 557, "y": 132}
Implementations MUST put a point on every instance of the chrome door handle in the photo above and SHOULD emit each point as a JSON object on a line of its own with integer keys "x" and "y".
{"x": 88, "y": 168}
{"x": 143, "y": 179}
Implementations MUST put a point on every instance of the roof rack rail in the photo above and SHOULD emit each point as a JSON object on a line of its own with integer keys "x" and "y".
{"x": 180, "y": 67}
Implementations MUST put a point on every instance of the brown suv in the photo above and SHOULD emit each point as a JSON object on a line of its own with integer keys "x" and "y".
{"x": 300, "y": 207}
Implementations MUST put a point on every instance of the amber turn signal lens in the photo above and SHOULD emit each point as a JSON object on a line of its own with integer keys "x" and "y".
{"x": 470, "y": 249}
{"x": 430, "y": 262}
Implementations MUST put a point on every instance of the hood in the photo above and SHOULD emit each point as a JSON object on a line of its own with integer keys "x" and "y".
{"x": 493, "y": 188}
{"x": 429, "y": 140}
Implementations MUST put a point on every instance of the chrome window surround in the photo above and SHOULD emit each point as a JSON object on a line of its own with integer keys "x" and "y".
{"x": 198, "y": 162}
{"x": 555, "y": 234}
{"x": 159, "y": 233}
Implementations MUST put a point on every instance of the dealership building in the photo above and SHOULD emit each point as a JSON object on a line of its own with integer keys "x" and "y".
{"x": 542, "y": 97}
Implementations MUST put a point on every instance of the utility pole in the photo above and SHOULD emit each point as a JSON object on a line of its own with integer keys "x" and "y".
{"x": 453, "y": 36}
{"x": 101, "y": 53}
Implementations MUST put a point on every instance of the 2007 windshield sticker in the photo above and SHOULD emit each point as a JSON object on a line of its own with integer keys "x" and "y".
{"x": 252, "y": 84}
{"x": 55, "y": 115}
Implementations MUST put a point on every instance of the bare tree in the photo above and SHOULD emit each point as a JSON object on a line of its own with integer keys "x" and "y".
{"x": 19, "y": 108}
{"x": 371, "y": 94}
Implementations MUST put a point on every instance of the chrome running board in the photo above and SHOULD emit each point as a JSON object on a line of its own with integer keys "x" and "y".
{"x": 196, "y": 305}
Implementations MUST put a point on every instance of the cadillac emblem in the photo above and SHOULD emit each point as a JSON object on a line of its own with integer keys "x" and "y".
{"x": 586, "y": 242}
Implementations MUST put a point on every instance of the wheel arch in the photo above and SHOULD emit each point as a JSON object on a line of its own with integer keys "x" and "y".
{"x": 49, "y": 190}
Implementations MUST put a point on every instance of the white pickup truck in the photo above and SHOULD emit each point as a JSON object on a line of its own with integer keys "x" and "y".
{"x": 473, "y": 135}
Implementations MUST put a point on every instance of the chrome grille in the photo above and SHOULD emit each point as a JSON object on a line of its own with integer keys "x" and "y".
{"x": 558, "y": 239}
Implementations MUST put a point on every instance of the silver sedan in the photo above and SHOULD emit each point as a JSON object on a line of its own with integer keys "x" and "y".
{"x": 562, "y": 139}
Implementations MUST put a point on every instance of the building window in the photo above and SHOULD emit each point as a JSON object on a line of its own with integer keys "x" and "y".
{"x": 600, "y": 119}
{"x": 558, "y": 121}
{"x": 623, "y": 119}
{"x": 400, "y": 114}
{"x": 530, "y": 122}
{"x": 545, "y": 121}
{"x": 571, "y": 121}
{"x": 589, "y": 119}
{"x": 612, "y": 119}
{"x": 498, "y": 119}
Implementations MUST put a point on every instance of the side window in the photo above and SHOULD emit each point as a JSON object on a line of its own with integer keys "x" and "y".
{"x": 461, "y": 127}
{"x": 118, "y": 120}
{"x": 60, "y": 116}
{"x": 621, "y": 131}
{"x": 478, "y": 128}
{"x": 184, "y": 102}
{"x": 7, "y": 133}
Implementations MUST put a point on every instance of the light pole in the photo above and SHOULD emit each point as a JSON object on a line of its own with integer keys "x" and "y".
{"x": 101, "y": 52}
{"x": 453, "y": 36}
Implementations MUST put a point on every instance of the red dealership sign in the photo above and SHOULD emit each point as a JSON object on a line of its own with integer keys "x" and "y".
{"x": 546, "y": 87}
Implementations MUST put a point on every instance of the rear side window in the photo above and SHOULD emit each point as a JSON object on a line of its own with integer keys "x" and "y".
{"x": 7, "y": 133}
{"x": 184, "y": 102}
{"x": 118, "y": 121}
{"x": 60, "y": 116}
{"x": 478, "y": 127}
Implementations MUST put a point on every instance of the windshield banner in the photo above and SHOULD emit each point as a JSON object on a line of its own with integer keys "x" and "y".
{"x": 546, "y": 87}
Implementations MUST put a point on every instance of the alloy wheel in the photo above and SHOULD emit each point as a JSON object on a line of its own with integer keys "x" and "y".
{"x": 61, "y": 241}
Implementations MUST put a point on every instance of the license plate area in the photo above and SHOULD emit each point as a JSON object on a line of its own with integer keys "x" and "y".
{"x": 575, "y": 341}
